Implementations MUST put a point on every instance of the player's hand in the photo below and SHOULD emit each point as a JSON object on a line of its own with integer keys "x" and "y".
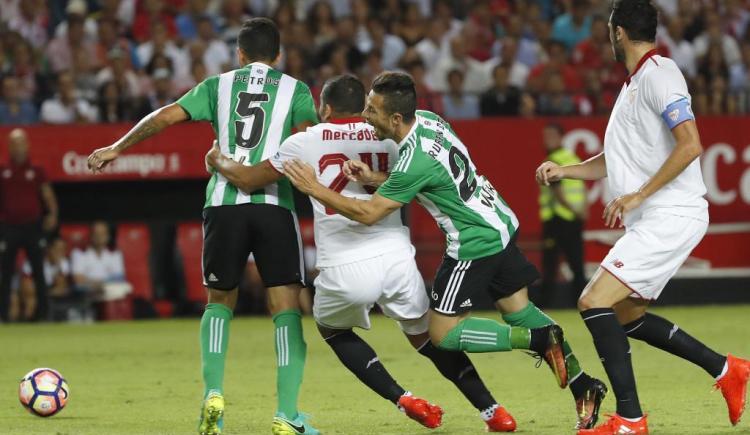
{"x": 101, "y": 157}
{"x": 549, "y": 172}
{"x": 212, "y": 157}
{"x": 617, "y": 208}
{"x": 301, "y": 175}
{"x": 49, "y": 222}
{"x": 357, "y": 171}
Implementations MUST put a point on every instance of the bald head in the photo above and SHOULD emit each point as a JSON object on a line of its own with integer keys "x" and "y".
{"x": 18, "y": 146}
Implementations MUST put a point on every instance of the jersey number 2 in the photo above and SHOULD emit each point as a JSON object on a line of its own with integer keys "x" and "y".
{"x": 339, "y": 183}
{"x": 248, "y": 105}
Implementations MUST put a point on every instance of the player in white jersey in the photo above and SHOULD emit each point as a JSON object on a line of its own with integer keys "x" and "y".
{"x": 362, "y": 265}
{"x": 650, "y": 160}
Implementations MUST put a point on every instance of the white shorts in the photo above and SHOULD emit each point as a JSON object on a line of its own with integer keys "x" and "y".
{"x": 345, "y": 294}
{"x": 652, "y": 250}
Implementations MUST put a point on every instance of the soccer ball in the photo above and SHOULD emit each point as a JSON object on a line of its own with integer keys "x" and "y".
{"x": 43, "y": 392}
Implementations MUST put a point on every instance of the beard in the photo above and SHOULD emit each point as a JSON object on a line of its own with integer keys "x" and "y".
{"x": 618, "y": 51}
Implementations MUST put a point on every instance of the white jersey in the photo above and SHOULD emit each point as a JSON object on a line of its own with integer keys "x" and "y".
{"x": 326, "y": 147}
{"x": 639, "y": 139}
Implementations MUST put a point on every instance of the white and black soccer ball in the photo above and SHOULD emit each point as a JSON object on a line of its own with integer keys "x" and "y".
{"x": 43, "y": 392}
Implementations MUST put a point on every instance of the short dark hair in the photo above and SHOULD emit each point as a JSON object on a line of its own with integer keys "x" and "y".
{"x": 639, "y": 18}
{"x": 398, "y": 91}
{"x": 259, "y": 39}
{"x": 344, "y": 93}
{"x": 556, "y": 126}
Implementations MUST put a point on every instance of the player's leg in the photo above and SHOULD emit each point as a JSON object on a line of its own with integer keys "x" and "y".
{"x": 453, "y": 328}
{"x": 572, "y": 247}
{"x": 8, "y": 252}
{"x": 226, "y": 246}
{"x": 277, "y": 247}
{"x": 344, "y": 296}
{"x": 588, "y": 392}
{"x": 34, "y": 246}
{"x": 596, "y": 308}
{"x": 549, "y": 261}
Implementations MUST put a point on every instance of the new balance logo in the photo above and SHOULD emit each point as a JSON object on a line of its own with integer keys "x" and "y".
{"x": 466, "y": 303}
{"x": 618, "y": 264}
{"x": 212, "y": 278}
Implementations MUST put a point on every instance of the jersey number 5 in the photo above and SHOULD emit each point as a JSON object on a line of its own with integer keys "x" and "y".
{"x": 339, "y": 183}
{"x": 248, "y": 107}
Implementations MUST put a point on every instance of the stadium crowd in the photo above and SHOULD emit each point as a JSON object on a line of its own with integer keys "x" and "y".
{"x": 65, "y": 61}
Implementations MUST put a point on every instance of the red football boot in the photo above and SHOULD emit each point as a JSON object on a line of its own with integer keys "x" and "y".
{"x": 733, "y": 386}
{"x": 420, "y": 410}
{"x": 617, "y": 425}
{"x": 501, "y": 421}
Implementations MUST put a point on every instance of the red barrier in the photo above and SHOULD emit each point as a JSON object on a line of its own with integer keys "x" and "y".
{"x": 506, "y": 150}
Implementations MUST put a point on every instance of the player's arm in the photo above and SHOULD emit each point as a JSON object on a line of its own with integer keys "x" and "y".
{"x": 594, "y": 169}
{"x": 246, "y": 178}
{"x": 361, "y": 173}
{"x": 367, "y": 212}
{"x": 153, "y": 123}
{"x": 50, "y": 203}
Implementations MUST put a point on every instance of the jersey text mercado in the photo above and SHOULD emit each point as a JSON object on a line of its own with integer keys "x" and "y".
{"x": 252, "y": 110}
{"x": 435, "y": 168}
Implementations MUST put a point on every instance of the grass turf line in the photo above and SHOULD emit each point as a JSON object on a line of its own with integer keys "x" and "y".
{"x": 144, "y": 378}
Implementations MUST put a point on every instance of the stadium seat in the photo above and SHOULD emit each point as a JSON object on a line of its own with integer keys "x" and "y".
{"x": 134, "y": 241}
{"x": 190, "y": 244}
{"x": 75, "y": 235}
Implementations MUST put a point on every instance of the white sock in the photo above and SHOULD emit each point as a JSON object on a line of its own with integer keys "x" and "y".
{"x": 488, "y": 413}
{"x": 406, "y": 394}
{"x": 724, "y": 370}
{"x": 632, "y": 420}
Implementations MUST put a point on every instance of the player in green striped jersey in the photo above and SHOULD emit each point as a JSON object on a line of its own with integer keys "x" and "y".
{"x": 252, "y": 110}
{"x": 481, "y": 255}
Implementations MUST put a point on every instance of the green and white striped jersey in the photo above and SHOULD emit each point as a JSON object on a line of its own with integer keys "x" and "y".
{"x": 252, "y": 110}
{"x": 434, "y": 166}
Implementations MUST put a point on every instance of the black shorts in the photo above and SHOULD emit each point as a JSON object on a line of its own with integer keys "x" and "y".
{"x": 501, "y": 275}
{"x": 269, "y": 232}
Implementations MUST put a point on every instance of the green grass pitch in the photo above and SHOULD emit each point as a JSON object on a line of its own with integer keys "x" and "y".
{"x": 144, "y": 378}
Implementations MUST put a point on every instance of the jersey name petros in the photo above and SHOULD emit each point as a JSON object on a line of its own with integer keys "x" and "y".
{"x": 253, "y": 80}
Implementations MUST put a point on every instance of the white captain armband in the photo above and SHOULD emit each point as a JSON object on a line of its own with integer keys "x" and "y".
{"x": 677, "y": 113}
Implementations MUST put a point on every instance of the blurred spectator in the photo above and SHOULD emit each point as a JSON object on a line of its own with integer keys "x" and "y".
{"x": 148, "y": 13}
{"x": 25, "y": 68}
{"x": 529, "y": 50}
{"x": 714, "y": 35}
{"x": 587, "y": 54}
{"x": 108, "y": 40}
{"x": 557, "y": 64}
{"x": 563, "y": 212}
{"x": 120, "y": 72}
{"x": 429, "y": 47}
{"x": 518, "y": 72}
{"x": 476, "y": 74}
{"x": 161, "y": 95}
{"x": 680, "y": 50}
{"x": 427, "y": 99}
{"x": 231, "y": 19}
{"x": 574, "y": 26}
{"x": 478, "y": 31}
{"x": 99, "y": 271}
{"x": 67, "y": 107}
{"x": 216, "y": 56}
{"x": 738, "y": 17}
{"x": 8, "y": 10}
{"x": 60, "y": 50}
{"x": 457, "y": 104}
{"x": 31, "y": 22}
{"x": 162, "y": 44}
{"x": 85, "y": 75}
{"x": 554, "y": 101}
{"x": 502, "y": 99}
{"x": 321, "y": 24}
{"x": 28, "y": 207}
{"x": 113, "y": 106}
{"x": 411, "y": 28}
{"x": 740, "y": 72}
{"x": 15, "y": 110}
{"x": 187, "y": 21}
{"x": 714, "y": 64}
{"x": 77, "y": 11}
{"x": 58, "y": 279}
{"x": 391, "y": 47}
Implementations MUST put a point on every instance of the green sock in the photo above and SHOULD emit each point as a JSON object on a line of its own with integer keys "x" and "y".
{"x": 290, "y": 360}
{"x": 533, "y": 317}
{"x": 214, "y": 339}
{"x": 476, "y": 335}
